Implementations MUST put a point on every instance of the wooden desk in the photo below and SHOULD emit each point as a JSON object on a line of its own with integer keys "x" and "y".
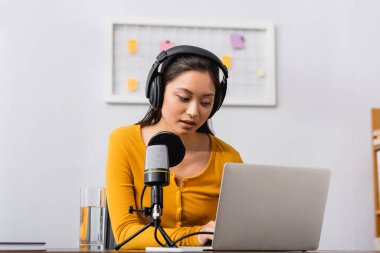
{"x": 139, "y": 251}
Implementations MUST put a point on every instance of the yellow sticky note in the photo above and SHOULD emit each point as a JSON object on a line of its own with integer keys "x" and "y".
{"x": 261, "y": 73}
{"x": 227, "y": 60}
{"x": 132, "y": 46}
{"x": 131, "y": 84}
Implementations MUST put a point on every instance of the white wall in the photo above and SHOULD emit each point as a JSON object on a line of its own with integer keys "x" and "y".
{"x": 55, "y": 125}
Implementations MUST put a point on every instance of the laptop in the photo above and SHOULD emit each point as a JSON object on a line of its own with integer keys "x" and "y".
{"x": 268, "y": 208}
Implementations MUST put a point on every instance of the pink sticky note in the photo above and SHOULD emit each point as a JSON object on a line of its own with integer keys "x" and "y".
{"x": 165, "y": 45}
{"x": 237, "y": 41}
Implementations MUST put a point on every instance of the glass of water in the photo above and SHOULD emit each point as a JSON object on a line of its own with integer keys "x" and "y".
{"x": 92, "y": 218}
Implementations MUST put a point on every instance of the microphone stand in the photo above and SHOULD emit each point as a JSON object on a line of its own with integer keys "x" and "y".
{"x": 156, "y": 199}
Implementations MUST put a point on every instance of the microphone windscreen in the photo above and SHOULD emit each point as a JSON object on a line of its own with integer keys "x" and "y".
{"x": 156, "y": 157}
{"x": 176, "y": 149}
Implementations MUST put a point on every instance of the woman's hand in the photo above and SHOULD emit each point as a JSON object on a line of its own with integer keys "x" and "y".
{"x": 209, "y": 227}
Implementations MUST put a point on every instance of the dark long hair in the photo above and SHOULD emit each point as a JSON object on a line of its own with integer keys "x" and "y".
{"x": 170, "y": 70}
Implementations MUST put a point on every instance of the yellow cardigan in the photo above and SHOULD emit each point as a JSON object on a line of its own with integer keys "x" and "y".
{"x": 186, "y": 207}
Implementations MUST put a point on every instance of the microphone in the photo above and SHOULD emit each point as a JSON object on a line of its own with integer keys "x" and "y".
{"x": 156, "y": 165}
{"x": 165, "y": 149}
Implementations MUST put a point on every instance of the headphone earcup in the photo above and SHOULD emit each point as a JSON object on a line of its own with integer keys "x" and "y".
{"x": 219, "y": 97}
{"x": 159, "y": 90}
{"x": 223, "y": 90}
{"x": 156, "y": 92}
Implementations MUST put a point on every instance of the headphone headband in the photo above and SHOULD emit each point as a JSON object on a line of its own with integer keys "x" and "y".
{"x": 154, "y": 79}
{"x": 191, "y": 50}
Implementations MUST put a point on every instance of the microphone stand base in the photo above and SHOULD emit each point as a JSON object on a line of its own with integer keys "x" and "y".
{"x": 150, "y": 224}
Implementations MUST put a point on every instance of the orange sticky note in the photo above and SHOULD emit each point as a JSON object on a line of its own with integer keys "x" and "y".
{"x": 132, "y": 46}
{"x": 227, "y": 60}
{"x": 131, "y": 84}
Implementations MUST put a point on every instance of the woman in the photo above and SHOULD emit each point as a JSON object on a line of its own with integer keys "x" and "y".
{"x": 183, "y": 96}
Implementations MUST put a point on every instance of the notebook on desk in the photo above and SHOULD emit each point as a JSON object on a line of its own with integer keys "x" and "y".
{"x": 268, "y": 208}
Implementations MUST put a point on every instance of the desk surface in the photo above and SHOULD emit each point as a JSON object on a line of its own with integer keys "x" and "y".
{"x": 139, "y": 251}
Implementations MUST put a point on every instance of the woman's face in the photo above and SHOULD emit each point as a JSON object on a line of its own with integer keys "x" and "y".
{"x": 188, "y": 102}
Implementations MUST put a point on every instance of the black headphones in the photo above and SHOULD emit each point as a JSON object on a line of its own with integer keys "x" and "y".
{"x": 154, "y": 84}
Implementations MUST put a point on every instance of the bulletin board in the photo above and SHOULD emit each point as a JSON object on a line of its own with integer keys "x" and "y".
{"x": 247, "y": 49}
